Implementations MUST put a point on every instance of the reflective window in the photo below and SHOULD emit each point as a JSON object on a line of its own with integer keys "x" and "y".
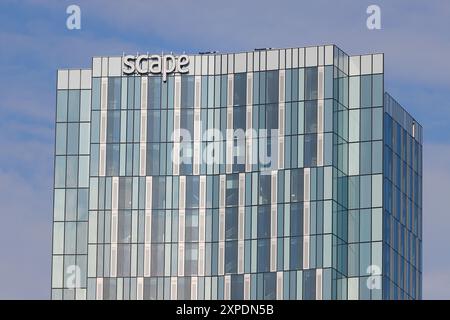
{"x": 114, "y": 91}
{"x": 192, "y": 194}
{"x": 309, "y": 284}
{"x": 310, "y": 151}
{"x": 270, "y": 286}
{"x": 191, "y": 259}
{"x": 187, "y": 91}
{"x": 311, "y": 116}
{"x": 61, "y": 106}
{"x": 154, "y": 92}
{"x": 231, "y": 253}
{"x": 73, "y": 111}
{"x": 237, "y": 287}
{"x": 240, "y": 89}
{"x": 124, "y": 260}
{"x": 272, "y": 86}
{"x": 311, "y": 83}
{"x": 231, "y": 223}
{"x": 191, "y": 225}
{"x": 263, "y": 255}
{"x": 232, "y": 190}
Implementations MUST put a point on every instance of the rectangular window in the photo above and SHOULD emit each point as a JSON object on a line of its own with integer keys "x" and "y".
{"x": 263, "y": 221}
{"x": 311, "y": 116}
{"x": 297, "y": 185}
{"x": 159, "y": 192}
{"x": 124, "y": 226}
{"x": 310, "y": 150}
{"x": 263, "y": 255}
{"x": 237, "y": 287}
{"x": 270, "y": 285}
{"x": 154, "y": 92}
{"x": 112, "y": 159}
{"x": 231, "y": 252}
{"x": 113, "y": 127}
{"x": 114, "y": 92}
{"x": 192, "y": 196}
{"x": 123, "y": 260}
{"x": 158, "y": 226}
{"x": 73, "y": 110}
{"x": 125, "y": 188}
{"x": 187, "y": 91}
{"x": 296, "y": 253}
{"x": 191, "y": 224}
{"x": 191, "y": 259}
{"x": 311, "y": 83}
{"x": 157, "y": 260}
{"x": 240, "y": 89}
{"x": 264, "y": 188}
{"x": 272, "y": 86}
{"x": 232, "y": 190}
{"x": 231, "y": 223}
{"x": 366, "y": 91}
{"x": 61, "y": 106}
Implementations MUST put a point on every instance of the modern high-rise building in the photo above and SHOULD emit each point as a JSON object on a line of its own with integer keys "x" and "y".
{"x": 268, "y": 174}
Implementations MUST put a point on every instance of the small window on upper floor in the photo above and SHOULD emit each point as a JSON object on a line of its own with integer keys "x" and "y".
{"x": 413, "y": 129}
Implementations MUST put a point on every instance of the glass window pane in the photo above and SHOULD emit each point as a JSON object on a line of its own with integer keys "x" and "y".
{"x": 187, "y": 91}
{"x": 112, "y": 159}
{"x": 263, "y": 254}
{"x": 72, "y": 171}
{"x": 232, "y": 190}
{"x": 311, "y": 83}
{"x": 61, "y": 132}
{"x": 354, "y": 92}
{"x": 59, "y": 204}
{"x": 73, "y": 112}
{"x": 310, "y": 153}
{"x": 240, "y": 89}
{"x": 365, "y": 165}
{"x": 272, "y": 86}
{"x": 85, "y": 110}
{"x": 231, "y": 223}
{"x": 378, "y": 90}
{"x": 71, "y": 204}
{"x": 96, "y": 94}
{"x": 377, "y": 124}
{"x": 191, "y": 225}
{"x": 113, "y": 127}
{"x": 264, "y": 188}
{"x": 154, "y": 92}
{"x": 61, "y": 106}
{"x": 191, "y": 259}
{"x": 114, "y": 93}
{"x": 192, "y": 196}
{"x": 311, "y": 116}
{"x": 366, "y": 91}
{"x": 366, "y": 125}
{"x": 60, "y": 171}
{"x": 72, "y": 138}
{"x": 231, "y": 251}
{"x": 309, "y": 284}
{"x": 83, "y": 175}
{"x": 84, "y": 138}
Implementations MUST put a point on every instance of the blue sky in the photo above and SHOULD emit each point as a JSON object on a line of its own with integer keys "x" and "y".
{"x": 34, "y": 43}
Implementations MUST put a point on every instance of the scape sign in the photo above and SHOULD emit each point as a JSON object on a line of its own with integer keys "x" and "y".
{"x": 155, "y": 64}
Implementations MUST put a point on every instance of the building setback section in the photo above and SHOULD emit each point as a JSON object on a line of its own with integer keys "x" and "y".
{"x": 321, "y": 198}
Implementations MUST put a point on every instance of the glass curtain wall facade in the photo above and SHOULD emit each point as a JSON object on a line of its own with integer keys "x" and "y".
{"x": 336, "y": 212}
